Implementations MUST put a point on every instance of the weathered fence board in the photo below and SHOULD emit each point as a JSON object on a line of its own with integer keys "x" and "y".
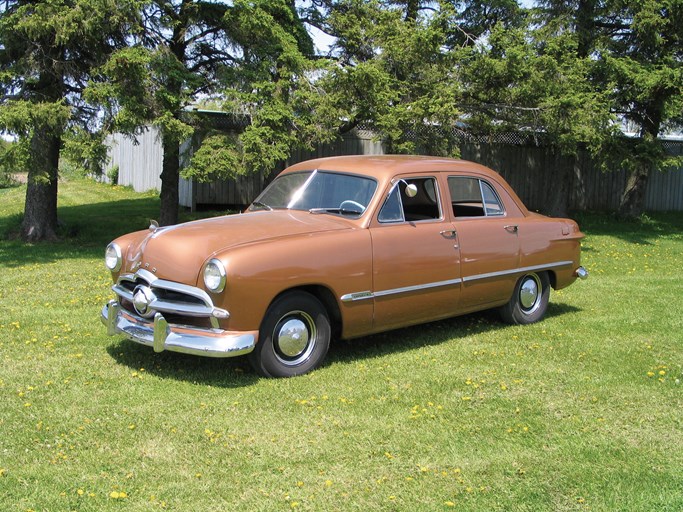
{"x": 529, "y": 169}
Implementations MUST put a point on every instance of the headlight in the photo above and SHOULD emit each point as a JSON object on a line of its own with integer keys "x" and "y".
{"x": 214, "y": 275}
{"x": 112, "y": 257}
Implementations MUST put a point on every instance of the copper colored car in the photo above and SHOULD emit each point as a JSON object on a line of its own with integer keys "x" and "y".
{"x": 339, "y": 248}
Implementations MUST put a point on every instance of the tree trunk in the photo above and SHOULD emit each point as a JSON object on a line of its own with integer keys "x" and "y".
{"x": 170, "y": 175}
{"x": 40, "y": 210}
{"x": 633, "y": 198}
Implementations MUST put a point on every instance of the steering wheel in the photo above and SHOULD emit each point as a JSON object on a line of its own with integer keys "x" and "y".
{"x": 351, "y": 206}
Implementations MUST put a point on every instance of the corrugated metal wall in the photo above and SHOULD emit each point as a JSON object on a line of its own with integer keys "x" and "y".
{"x": 139, "y": 159}
{"x": 528, "y": 169}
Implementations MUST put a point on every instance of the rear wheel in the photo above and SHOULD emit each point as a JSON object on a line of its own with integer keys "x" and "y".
{"x": 294, "y": 336}
{"x": 529, "y": 301}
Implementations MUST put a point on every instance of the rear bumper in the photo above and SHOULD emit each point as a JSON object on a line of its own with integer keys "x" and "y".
{"x": 581, "y": 273}
{"x": 160, "y": 335}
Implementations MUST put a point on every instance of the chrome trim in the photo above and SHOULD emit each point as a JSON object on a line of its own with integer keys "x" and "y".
{"x": 165, "y": 306}
{"x": 119, "y": 257}
{"x": 160, "y": 335}
{"x": 581, "y": 273}
{"x": 520, "y": 270}
{"x": 417, "y": 287}
{"x": 221, "y": 271}
{"x": 356, "y": 296}
{"x": 353, "y": 297}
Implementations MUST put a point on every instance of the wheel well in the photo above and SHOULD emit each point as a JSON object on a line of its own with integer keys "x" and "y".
{"x": 552, "y": 277}
{"x": 327, "y": 299}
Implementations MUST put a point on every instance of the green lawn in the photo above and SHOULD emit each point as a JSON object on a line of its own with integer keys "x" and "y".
{"x": 582, "y": 411}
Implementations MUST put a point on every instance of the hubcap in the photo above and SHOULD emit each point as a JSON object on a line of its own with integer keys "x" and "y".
{"x": 294, "y": 338}
{"x": 529, "y": 293}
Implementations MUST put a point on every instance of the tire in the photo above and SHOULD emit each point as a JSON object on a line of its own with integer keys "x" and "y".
{"x": 529, "y": 301}
{"x": 293, "y": 338}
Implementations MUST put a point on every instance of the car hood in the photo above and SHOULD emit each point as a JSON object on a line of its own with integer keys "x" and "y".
{"x": 177, "y": 252}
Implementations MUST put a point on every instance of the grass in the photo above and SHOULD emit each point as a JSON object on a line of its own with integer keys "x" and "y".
{"x": 579, "y": 412}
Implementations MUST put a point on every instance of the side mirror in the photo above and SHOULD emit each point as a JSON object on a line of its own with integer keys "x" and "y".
{"x": 411, "y": 190}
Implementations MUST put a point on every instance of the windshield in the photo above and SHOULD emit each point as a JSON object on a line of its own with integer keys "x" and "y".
{"x": 318, "y": 192}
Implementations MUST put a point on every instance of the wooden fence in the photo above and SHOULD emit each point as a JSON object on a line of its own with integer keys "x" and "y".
{"x": 528, "y": 169}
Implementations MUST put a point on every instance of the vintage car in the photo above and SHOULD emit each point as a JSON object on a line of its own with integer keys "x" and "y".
{"x": 339, "y": 247}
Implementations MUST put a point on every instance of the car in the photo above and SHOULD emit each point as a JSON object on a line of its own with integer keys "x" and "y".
{"x": 339, "y": 248}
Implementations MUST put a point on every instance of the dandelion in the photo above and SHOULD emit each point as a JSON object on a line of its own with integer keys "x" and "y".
{"x": 118, "y": 495}
{"x": 449, "y": 503}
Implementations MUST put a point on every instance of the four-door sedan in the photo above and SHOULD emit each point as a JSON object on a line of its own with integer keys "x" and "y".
{"x": 339, "y": 247}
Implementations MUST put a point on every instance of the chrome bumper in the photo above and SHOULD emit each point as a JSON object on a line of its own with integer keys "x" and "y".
{"x": 161, "y": 336}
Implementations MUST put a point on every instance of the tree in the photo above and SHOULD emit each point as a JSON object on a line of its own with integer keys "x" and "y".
{"x": 188, "y": 51}
{"x": 172, "y": 59}
{"x": 643, "y": 61}
{"x": 390, "y": 71}
{"x": 636, "y": 47}
{"x": 47, "y": 53}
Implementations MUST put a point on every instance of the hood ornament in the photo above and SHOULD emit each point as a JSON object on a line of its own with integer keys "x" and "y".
{"x": 153, "y": 225}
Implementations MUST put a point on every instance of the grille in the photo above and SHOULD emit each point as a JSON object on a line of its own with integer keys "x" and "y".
{"x": 180, "y": 303}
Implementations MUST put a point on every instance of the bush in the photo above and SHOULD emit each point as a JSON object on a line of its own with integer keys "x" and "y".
{"x": 113, "y": 175}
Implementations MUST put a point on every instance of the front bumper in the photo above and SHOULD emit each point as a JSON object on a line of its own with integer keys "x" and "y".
{"x": 160, "y": 335}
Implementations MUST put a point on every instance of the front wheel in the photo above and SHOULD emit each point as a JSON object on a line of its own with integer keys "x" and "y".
{"x": 294, "y": 336}
{"x": 529, "y": 301}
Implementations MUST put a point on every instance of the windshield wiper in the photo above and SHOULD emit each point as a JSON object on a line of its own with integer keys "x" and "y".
{"x": 262, "y": 205}
{"x": 342, "y": 211}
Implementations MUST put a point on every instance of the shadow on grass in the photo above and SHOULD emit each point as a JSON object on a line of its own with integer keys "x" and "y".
{"x": 84, "y": 231}
{"x": 207, "y": 371}
{"x": 426, "y": 335}
{"x": 236, "y": 372}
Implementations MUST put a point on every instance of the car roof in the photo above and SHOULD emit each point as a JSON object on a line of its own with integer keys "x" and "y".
{"x": 384, "y": 167}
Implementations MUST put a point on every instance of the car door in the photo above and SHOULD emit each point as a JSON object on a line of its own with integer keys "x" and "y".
{"x": 488, "y": 240}
{"x": 416, "y": 263}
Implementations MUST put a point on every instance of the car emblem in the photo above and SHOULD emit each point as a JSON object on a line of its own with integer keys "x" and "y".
{"x": 142, "y": 299}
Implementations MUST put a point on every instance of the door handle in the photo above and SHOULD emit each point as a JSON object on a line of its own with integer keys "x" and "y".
{"x": 448, "y": 233}
{"x": 511, "y": 229}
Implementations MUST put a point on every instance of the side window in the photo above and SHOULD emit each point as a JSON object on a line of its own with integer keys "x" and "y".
{"x": 472, "y": 197}
{"x": 392, "y": 211}
{"x": 492, "y": 204}
{"x": 423, "y": 205}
